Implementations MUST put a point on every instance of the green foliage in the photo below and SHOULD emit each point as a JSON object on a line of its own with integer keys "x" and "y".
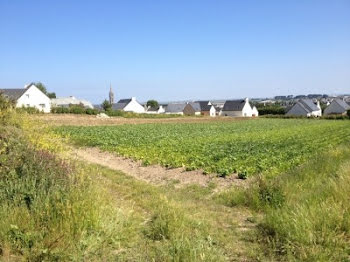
{"x": 306, "y": 211}
{"x": 267, "y": 146}
{"x": 29, "y": 110}
{"x": 50, "y": 211}
{"x": 313, "y": 222}
{"x": 51, "y": 95}
{"x": 76, "y": 109}
{"x": 106, "y": 105}
{"x": 152, "y": 103}
{"x": 124, "y": 114}
{"x": 348, "y": 113}
{"x": 271, "y": 109}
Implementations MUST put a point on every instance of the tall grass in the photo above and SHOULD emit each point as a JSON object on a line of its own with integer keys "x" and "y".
{"x": 306, "y": 212}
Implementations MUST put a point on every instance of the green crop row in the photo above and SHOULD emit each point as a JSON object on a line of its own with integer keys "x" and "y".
{"x": 267, "y": 146}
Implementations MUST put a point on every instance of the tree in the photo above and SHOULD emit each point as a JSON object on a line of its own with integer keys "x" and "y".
{"x": 43, "y": 89}
{"x": 40, "y": 86}
{"x": 152, "y": 103}
{"x": 106, "y": 105}
{"x": 51, "y": 95}
{"x": 348, "y": 113}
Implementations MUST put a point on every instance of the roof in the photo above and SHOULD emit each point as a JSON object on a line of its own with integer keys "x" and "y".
{"x": 343, "y": 104}
{"x": 234, "y": 105}
{"x": 308, "y": 105}
{"x": 13, "y": 94}
{"x": 122, "y": 103}
{"x": 205, "y": 105}
{"x": 196, "y": 106}
{"x": 176, "y": 107}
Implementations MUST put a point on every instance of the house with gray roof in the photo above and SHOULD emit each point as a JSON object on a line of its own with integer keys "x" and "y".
{"x": 337, "y": 107}
{"x": 239, "y": 108}
{"x": 305, "y": 107}
{"x": 129, "y": 105}
{"x": 180, "y": 109}
{"x": 204, "y": 108}
{"x": 30, "y": 96}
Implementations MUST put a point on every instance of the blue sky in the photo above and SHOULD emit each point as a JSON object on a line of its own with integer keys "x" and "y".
{"x": 176, "y": 50}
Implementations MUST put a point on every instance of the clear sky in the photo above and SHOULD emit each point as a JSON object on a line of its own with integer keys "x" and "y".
{"x": 176, "y": 50}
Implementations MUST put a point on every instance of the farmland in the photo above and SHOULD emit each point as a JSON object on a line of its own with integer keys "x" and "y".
{"x": 268, "y": 146}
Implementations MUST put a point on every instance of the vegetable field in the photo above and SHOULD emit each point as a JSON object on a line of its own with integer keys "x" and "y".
{"x": 267, "y": 146}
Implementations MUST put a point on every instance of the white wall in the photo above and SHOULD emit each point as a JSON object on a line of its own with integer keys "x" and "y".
{"x": 134, "y": 106}
{"x": 212, "y": 111}
{"x": 33, "y": 97}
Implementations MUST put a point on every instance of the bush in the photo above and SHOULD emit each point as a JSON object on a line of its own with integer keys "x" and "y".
{"x": 271, "y": 110}
{"x": 49, "y": 210}
{"x": 74, "y": 110}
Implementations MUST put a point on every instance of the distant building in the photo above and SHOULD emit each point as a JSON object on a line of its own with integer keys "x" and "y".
{"x": 30, "y": 96}
{"x": 206, "y": 108}
{"x": 70, "y": 101}
{"x": 305, "y": 107}
{"x": 239, "y": 108}
{"x": 338, "y": 106}
{"x": 180, "y": 109}
{"x": 155, "y": 110}
{"x": 129, "y": 105}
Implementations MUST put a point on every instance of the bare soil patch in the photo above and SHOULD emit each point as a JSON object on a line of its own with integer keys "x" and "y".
{"x": 156, "y": 174}
{"x": 89, "y": 120}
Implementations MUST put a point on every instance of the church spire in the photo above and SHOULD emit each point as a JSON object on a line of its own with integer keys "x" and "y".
{"x": 111, "y": 95}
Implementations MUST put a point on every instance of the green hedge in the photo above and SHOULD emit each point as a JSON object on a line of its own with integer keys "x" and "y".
{"x": 74, "y": 110}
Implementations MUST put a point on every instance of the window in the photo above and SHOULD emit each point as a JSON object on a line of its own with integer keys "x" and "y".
{"x": 42, "y": 105}
{"x": 27, "y": 95}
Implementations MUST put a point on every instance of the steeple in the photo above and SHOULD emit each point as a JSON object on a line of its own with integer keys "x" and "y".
{"x": 111, "y": 95}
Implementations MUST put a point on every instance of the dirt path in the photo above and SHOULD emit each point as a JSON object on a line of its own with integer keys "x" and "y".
{"x": 155, "y": 174}
{"x": 87, "y": 120}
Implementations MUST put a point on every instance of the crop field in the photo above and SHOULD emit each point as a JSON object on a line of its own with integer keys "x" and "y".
{"x": 267, "y": 146}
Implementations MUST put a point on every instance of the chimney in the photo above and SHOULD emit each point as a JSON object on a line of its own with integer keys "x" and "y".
{"x": 318, "y": 105}
{"x": 246, "y": 100}
{"x": 133, "y": 98}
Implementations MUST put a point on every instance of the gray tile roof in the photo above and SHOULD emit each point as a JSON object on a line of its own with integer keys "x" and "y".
{"x": 308, "y": 104}
{"x": 13, "y": 94}
{"x": 122, "y": 103}
{"x": 343, "y": 104}
{"x": 196, "y": 106}
{"x": 234, "y": 105}
{"x": 175, "y": 107}
{"x": 204, "y": 105}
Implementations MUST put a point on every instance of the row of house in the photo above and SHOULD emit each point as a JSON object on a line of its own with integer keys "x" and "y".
{"x": 236, "y": 108}
{"x": 31, "y": 96}
{"x": 307, "y": 107}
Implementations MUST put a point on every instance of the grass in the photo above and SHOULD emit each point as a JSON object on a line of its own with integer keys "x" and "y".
{"x": 268, "y": 146}
{"x": 179, "y": 224}
{"x": 55, "y": 208}
{"x": 306, "y": 211}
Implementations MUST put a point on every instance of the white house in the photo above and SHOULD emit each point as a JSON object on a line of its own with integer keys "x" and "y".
{"x": 239, "y": 108}
{"x": 180, "y": 109}
{"x": 204, "y": 108}
{"x": 338, "y": 106}
{"x": 129, "y": 105}
{"x": 155, "y": 110}
{"x": 255, "y": 111}
{"x": 71, "y": 100}
{"x": 305, "y": 107}
{"x": 31, "y": 96}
